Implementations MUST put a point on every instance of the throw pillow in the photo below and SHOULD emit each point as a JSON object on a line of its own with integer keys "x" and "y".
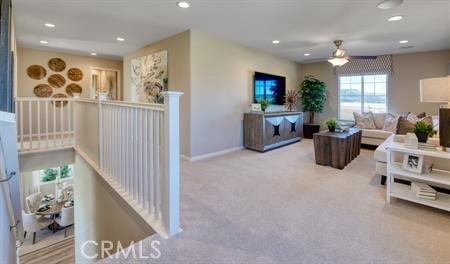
{"x": 414, "y": 118}
{"x": 390, "y": 123}
{"x": 405, "y": 126}
{"x": 378, "y": 119}
{"x": 364, "y": 120}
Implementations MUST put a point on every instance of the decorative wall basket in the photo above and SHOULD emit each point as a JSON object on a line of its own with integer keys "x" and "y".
{"x": 43, "y": 90}
{"x": 58, "y": 103}
{"x": 36, "y": 72}
{"x": 56, "y": 80}
{"x": 75, "y": 74}
{"x": 57, "y": 64}
{"x": 73, "y": 88}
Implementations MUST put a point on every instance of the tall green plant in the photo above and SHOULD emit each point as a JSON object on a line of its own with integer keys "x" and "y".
{"x": 313, "y": 96}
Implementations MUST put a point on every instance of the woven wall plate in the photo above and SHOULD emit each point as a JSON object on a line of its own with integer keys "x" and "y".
{"x": 58, "y": 103}
{"x": 56, "y": 80}
{"x": 43, "y": 90}
{"x": 36, "y": 72}
{"x": 57, "y": 64}
{"x": 73, "y": 88}
{"x": 75, "y": 74}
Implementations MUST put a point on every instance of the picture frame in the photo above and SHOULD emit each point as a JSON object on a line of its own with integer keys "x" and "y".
{"x": 256, "y": 108}
{"x": 413, "y": 163}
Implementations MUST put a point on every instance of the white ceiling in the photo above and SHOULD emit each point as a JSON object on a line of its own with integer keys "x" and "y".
{"x": 302, "y": 26}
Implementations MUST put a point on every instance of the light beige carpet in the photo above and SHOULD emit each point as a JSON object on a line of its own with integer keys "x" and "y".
{"x": 279, "y": 207}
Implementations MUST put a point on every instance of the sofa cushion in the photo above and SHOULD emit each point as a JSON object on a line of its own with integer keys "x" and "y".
{"x": 378, "y": 119}
{"x": 376, "y": 133}
{"x": 364, "y": 120}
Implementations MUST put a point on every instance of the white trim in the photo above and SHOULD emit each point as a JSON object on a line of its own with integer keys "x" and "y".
{"x": 211, "y": 154}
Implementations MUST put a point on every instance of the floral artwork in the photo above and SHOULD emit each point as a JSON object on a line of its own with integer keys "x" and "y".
{"x": 149, "y": 77}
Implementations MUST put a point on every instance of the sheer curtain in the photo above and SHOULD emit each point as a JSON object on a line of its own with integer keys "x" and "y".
{"x": 30, "y": 184}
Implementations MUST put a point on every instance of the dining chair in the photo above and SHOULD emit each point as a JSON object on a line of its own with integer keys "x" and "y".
{"x": 32, "y": 224}
{"x": 33, "y": 201}
{"x": 67, "y": 218}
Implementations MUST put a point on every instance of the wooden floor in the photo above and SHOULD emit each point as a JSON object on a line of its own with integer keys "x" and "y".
{"x": 61, "y": 252}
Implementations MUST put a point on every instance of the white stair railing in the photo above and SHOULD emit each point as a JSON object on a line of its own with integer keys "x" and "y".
{"x": 44, "y": 123}
{"x": 135, "y": 147}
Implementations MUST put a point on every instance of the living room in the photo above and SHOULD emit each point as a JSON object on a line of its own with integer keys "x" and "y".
{"x": 281, "y": 203}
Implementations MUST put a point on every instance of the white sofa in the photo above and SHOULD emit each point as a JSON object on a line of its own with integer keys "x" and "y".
{"x": 376, "y": 137}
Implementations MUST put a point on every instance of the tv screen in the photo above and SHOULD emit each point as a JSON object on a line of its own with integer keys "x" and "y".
{"x": 269, "y": 87}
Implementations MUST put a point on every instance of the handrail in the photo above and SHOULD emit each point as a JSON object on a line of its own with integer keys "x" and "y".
{"x": 34, "y": 99}
{"x": 150, "y": 106}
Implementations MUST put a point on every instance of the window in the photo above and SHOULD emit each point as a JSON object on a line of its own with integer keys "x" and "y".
{"x": 49, "y": 175}
{"x": 362, "y": 93}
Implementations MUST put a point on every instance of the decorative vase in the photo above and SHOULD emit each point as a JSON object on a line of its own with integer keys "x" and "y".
{"x": 422, "y": 137}
{"x": 331, "y": 129}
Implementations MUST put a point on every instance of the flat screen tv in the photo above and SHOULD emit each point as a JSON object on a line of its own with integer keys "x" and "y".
{"x": 269, "y": 87}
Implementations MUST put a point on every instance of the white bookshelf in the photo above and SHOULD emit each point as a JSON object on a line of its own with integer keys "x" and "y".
{"x": 437, "y": 177}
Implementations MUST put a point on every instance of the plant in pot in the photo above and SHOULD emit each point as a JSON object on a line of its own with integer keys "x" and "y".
{"x": 313, "y": 96}
{"x": 423, "y": 130}
{"x": 264, "y": 104}
{"x": 331, "y": 123}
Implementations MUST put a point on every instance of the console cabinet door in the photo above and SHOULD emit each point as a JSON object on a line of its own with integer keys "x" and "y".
{"x": 274, "y": 129}
{"x": 291, "y": 127}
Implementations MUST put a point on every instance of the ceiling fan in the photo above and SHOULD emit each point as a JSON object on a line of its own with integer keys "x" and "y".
{"x": 338, "y": 57}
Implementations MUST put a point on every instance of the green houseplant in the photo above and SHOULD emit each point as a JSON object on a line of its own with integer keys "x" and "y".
{"x": 313, "y": 96}
{"x": 264, "y": 104}
{"x": 331, "y": 123}
{"x": 423, "y": 130}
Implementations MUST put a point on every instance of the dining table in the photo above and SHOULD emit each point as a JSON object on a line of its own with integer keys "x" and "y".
{"x": 53, "y": 210}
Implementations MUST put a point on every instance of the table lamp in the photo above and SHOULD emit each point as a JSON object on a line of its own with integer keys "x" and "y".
{"x": 437, "y": 90}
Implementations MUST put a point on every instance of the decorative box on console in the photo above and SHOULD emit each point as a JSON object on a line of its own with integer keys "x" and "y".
{"x": 265, "y": 131}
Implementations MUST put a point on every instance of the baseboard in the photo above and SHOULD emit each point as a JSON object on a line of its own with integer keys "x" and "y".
{"x": 212, "y": 154}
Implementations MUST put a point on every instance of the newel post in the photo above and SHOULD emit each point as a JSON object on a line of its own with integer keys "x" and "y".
{"x": 170, "y": 189}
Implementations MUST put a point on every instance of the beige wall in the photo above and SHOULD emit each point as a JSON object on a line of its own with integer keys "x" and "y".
{"x": 403, "y": 84}
{"x": 222, "y": 90}
{"x": 178, "y": 56}
{"x": 27, "y": 57}
{"x": 95, "y": 207}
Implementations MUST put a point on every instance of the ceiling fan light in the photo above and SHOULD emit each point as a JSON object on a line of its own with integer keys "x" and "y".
{"x": 388, "y": 4}
{"x": 338, "y": 61}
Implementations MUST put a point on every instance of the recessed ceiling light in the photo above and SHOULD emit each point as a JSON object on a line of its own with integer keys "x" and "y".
{"x": 306, "y": 54}
{"x": 403, "y": 41}
{"x": 120, "y": 39}
{"x": 395, "y": 18}
{"x": 43, "y": 42}
{"x": 276, "y": 42}
{"x": 93, "y": 54}
{"x": 49, "y": 25}
{"x": 183, "y": 4}
{"x": 388, "y": 4}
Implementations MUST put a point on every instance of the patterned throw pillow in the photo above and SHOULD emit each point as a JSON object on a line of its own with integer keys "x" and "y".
{"x": 414, "y": 118}
{"x": 364, "y": 120}
{"x": 378, "y": 119}
{"x": 391, "y": 123}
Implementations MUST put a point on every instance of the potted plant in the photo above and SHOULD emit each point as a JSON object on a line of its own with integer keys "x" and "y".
{"x": 423, "y": 130}
{"x": 264, "y": 104}
{"x": 313, "y": 96}
{"x": 331, "y": 123}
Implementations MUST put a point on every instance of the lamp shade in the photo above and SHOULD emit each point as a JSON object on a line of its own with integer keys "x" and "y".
{"x": 435, "y": 90}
